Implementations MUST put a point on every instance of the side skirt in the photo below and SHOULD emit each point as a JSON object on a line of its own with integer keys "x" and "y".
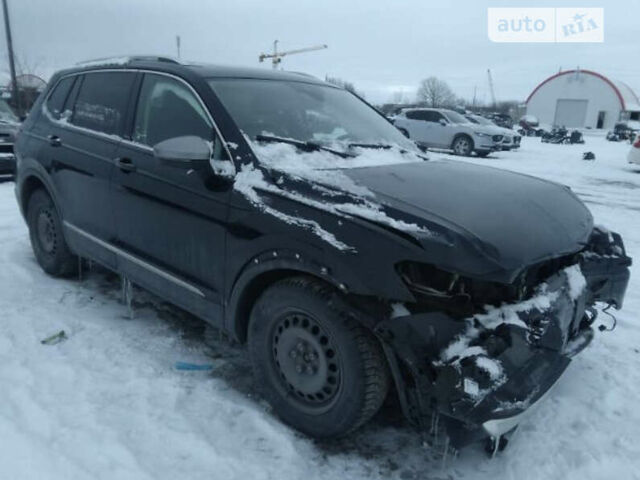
{"x": 193, "y": 298}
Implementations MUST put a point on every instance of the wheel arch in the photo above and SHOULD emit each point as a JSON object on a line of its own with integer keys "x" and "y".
{"x": 31, "y": 182}
{"x": 258, "y": 277}
{"x": 463, "y": 134}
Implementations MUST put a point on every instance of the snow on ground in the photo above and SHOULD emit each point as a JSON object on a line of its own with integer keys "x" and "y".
{"x": 108, "y": 403}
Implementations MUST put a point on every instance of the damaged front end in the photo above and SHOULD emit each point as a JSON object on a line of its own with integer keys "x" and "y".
{"x": 481, "y": 369}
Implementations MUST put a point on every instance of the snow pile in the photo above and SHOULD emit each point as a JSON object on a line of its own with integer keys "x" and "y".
{"x": 576, "y": 281}
{"x": 324, "y": 172}
{"x": 107, "y": 404}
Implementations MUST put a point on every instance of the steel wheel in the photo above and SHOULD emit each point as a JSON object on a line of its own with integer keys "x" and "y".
{"x": 46, "y": 231}
{"x": 306, "y": 361}
{"x": 47, "y": 239}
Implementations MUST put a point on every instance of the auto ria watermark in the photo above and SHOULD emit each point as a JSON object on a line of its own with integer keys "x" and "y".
{"x": 547, "y": 25}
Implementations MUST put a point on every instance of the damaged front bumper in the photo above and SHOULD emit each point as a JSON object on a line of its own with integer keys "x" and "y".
{"x": 480, "y": 376}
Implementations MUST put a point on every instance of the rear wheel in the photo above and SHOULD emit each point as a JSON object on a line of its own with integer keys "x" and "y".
{"x": 321, "y": 371}
{"x": 47, "y": 239}
{"x": 462, "y": 145}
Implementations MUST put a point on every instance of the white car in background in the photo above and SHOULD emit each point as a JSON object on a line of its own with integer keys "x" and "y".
{"x": 634, "y": 153}
{"x": 448, "y": 130}
{"x": 511, "y": 138}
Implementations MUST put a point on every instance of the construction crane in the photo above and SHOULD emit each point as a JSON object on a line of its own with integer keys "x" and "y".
{"x": 276, "y": 57}
{"x": 493, "y": 93}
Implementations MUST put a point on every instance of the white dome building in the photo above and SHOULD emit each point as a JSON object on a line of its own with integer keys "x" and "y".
{"x": 582, "y": 98}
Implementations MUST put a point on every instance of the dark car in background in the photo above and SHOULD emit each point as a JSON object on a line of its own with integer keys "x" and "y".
{"x": 290, "y": 214}
{"x": 9, "y": 125}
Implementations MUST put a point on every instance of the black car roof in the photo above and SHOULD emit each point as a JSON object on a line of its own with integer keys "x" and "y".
{"x": 169, "y": 65}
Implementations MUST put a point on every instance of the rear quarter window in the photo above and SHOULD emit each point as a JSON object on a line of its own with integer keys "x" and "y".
{"x": 101, "y": 104}
{"x": 58, "y": 96}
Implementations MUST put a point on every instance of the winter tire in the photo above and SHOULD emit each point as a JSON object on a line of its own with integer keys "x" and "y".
{"x": 47, "y": 239}
{"x": 321, "y": 371}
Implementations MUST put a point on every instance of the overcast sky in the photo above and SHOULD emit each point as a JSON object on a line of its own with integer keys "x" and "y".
{"x": 381, "y": 46}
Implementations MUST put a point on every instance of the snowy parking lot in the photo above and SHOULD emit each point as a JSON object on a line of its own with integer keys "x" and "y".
{"x": 109, "y": 403}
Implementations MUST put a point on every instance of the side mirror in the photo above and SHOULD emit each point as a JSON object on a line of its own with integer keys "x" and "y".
{"x": 183, "y": 152}
{"x": 442, "y": 122}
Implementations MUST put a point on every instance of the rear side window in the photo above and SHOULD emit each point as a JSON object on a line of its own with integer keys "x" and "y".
{"x": 425, "y": 115}
{"x": 167, "y": 109}
{"x": 101, "y": 104}
{"x": 55, "y": 102}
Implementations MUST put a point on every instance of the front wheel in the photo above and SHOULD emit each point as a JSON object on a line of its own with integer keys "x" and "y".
{"x": 462, "y": 145}
{"x": 321, "y": 371}
{"x": 47, "y": 240}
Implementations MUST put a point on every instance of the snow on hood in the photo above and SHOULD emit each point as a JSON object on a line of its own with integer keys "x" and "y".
{"x": 323, "y": 171}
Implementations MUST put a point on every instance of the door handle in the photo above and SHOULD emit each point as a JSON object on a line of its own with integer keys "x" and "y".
{"x": 54, "y": 140}
{"x": 125, "y": 164}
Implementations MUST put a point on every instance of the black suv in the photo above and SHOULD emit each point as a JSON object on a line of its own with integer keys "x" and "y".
{"x": 295, "y": 217}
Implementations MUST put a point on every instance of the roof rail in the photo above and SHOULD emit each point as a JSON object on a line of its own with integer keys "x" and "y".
{"x": 123, "y": 60}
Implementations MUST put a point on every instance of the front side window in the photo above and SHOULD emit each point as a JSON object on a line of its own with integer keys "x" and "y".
{"x": 55, "y": 102}
{"x": 167, "y": 109}
{"x": 102, "y": 101}
{"x": 455, "y": 117}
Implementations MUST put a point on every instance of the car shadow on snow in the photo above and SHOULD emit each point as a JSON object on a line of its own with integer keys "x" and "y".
{"x": 395, "y": 448}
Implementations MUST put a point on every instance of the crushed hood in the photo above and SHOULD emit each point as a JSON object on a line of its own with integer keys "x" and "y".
{"x": 516, "y": 220}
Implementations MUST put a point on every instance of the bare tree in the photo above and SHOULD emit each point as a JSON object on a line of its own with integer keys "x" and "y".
{"x": 435, "y": 93}
{"x": 344, "y": 84}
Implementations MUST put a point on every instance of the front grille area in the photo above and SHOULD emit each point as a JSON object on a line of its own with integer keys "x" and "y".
{"x": 6, "y": 148}
{"x": 497, "y": 138}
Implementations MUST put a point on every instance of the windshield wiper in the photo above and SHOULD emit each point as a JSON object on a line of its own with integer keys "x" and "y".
{"x": 380, "y": 146}
{"x": 302, "y": 145}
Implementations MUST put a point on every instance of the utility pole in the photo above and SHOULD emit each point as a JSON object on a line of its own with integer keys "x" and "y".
{"x": 493, "y": 93}
{"x": 276, "y": 57}
{"x": 178, "y": 45}
{"x": 12, "y": 65}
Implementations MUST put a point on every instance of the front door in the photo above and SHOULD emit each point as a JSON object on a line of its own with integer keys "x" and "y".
{"x": 171, "y": 221}
{"x": 441, "y": 130}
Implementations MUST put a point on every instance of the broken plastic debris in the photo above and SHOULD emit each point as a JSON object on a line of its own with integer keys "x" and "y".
{"x": 193, "y": 366}
{"x": 55, "y": 338}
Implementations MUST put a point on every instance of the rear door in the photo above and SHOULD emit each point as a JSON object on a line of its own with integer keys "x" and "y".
{"x": 81, "y": 140}
{"x": 171, "y": 221}
{"x": 417, "y": 127}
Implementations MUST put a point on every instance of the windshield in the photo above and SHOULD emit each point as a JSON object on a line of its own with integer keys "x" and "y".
{"x": 455, "y": 117}
{"x": 304, "y": 112}
{"x": 481, "y": 120}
